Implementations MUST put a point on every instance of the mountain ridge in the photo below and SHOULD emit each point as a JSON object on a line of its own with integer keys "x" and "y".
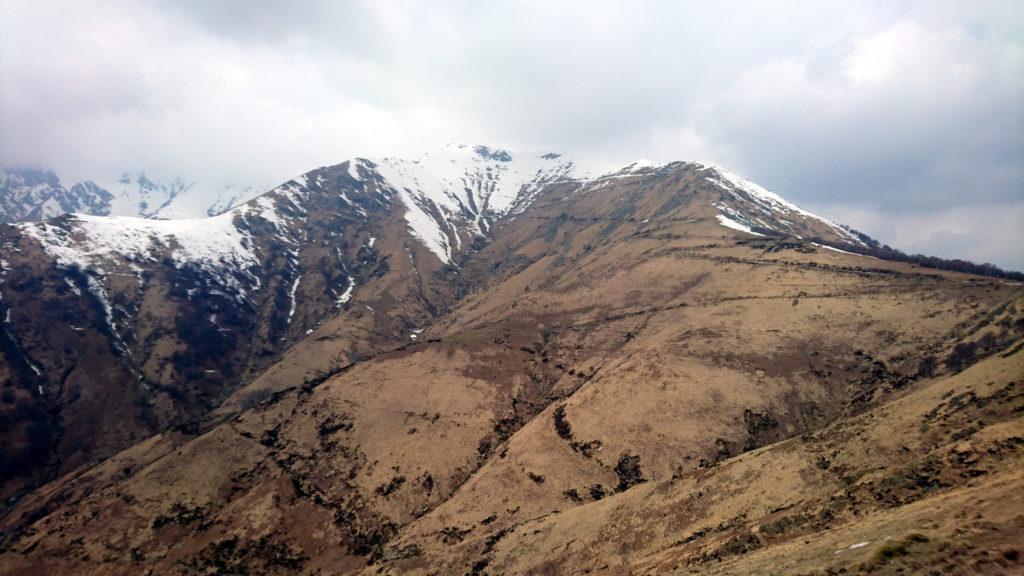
{"x": 362, "y": 395}
{"x": 28, "y": 195}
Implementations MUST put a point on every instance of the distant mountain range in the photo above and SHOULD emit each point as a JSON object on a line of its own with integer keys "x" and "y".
{"x": 28, "y": 195}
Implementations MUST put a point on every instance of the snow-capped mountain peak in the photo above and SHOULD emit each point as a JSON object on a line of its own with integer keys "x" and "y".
{"x": 32, "y": 195}
{"x": 460, "y": 184}
{"x": 759, "y": 208}
{"x": 139, "y": 195}
{"x": 29, "y": 194}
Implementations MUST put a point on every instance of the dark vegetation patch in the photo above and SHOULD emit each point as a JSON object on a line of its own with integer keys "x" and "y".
{"x": 309, "y": 383}
{"x": 962, "y": 356}
{"x": 562, "y": 426}
{"x": 629, "y": 472}
{"x": 209, "y": 345}
{"x": 730, "y": 524}
{"x": 237, "y": 556}
{"x": 762, "y": 429}
{"x": 564, "y": 431}
{"x": 362, "y": 532}
{"x": 493, "y": 539}
{"x": 926, "y": 366}
{"x": 182, "y": 515}
{"x": 878, "y": 250}
{"x": 969, "y": 406}
{"x": 335, "y": 423}
{"x": 370, "y": 541}
{"x": 410, "y": 551}
{"x": 910, "y": 483}
{"x": 28, "y": 430}
{"x": 875, "y": 379}
{"x": 784, "y": 525}
{"x": 478, "y": 567}
{"x": 892, "y": 551}
{"x": 389, "y": 488}
{"x": 723, "y": 449}
{"x": 770, "y": 245}
{"x": 453, "y": 534}
{"x": 741, "y": 543}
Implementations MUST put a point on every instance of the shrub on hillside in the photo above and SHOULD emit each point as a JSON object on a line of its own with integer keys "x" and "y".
{"x": 962, "y": 356}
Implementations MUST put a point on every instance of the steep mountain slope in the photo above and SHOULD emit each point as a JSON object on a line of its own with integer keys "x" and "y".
{"x": 930, "y": 483}
{"x": 713, "y": 348}
{"x": 650, "y": 370}
{"x": 452, "y": 196}
{"x": 120, "y": 327}
{"x": 28, "y": 195}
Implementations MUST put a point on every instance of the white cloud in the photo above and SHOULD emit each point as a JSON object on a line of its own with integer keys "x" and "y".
{"x": 979, "y": 233}
{"x": 908, "y": 108}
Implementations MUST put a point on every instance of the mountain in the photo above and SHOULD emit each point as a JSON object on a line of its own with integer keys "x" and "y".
{"x": 30, "y": 195}
{"x": 126, "y": 326}
{"x": 138, "y": 195}
{"x": 485, "y": 362}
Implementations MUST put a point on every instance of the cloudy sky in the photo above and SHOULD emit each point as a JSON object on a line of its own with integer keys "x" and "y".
{"x": 902, "y": 119}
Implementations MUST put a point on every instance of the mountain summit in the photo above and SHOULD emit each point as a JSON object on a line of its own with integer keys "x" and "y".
{"x": 487, "y": 362}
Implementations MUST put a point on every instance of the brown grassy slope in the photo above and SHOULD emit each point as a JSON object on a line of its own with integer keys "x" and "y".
{"x": 326, "y": 473}
{"x": 694, "y": 350}
{"x": 601, "y": 354}
{"x": 932, "y": 480}
{"x": 181, "y": 344}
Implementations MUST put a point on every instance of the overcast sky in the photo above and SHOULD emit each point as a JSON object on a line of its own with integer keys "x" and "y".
{"x": 902, "y": 119}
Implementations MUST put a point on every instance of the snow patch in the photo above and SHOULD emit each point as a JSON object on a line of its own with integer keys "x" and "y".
{"x": 347, "y": 295}
{"x": 291, "y": 294}
{"x": 468, "y": 185}
{"x": 835, "y": 249}
{"x": 770, "y": 203}
{"x": 729, "y": 223}
{"x": 267, "y": 210}
{"x": 353, "y": 166}
{"x": 93, "y": 242}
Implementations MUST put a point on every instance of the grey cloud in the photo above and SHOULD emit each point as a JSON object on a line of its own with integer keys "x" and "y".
{"x": 902, "y": 110}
